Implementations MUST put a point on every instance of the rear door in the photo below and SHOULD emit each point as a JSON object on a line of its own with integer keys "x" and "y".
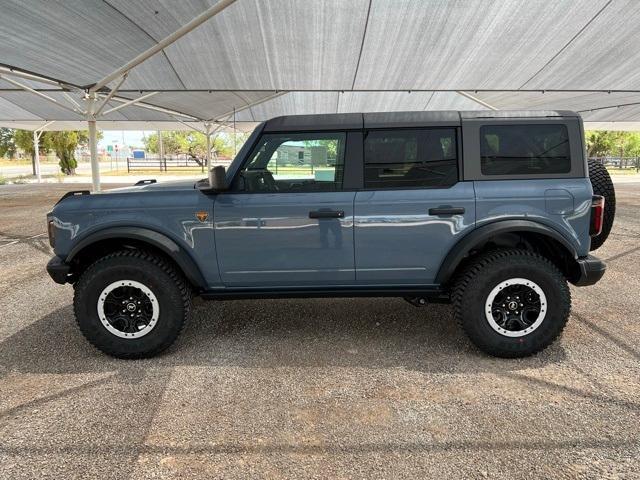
{"x": 288, "y": 220}
{"x": 413, "y": 208}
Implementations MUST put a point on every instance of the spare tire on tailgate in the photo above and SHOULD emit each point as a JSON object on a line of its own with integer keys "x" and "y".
{"x": 602, "y": 185}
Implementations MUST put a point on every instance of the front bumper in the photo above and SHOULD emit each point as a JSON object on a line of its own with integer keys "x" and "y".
{"x": 58, "y": 270}
{"x": 591, "y": 270}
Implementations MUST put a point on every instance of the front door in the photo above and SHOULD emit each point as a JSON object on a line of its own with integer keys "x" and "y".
{"x": 286, "y": 221}
{"x": 413, "y": 209}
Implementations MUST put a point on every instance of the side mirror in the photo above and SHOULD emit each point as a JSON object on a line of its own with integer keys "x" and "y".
{"x": 217, "y": 179}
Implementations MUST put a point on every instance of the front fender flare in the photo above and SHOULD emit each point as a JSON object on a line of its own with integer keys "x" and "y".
{"x": 482, "y": 234}
{"x": 168, "y": 246}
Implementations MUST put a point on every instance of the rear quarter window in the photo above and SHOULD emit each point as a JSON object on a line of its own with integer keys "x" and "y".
{"x": 524, "y": 149}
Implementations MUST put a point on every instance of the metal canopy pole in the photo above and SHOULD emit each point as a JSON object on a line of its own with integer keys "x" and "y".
{"x": 36, "y": 158}
{"x": 91, "y": 101}
{"x": 37, "y": 133}
{"x": 207, "y": 132}
{"x": 93, "y": 148}
{"x": 196, "y": 22}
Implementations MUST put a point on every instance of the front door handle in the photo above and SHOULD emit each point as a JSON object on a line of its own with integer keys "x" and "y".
{"x": 326, "y": 214}
{"x": 446, "y": 211}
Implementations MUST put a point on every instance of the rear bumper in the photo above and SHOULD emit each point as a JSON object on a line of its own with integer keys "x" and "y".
{"x": 591, "y": 270}
{"x": 58, "y": 270}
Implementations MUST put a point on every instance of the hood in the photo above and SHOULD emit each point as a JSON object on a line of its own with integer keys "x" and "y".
{"x": 154, "y": 187}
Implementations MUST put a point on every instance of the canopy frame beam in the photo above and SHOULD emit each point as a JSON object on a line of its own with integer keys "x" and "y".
{"x": 111, "y": 94}
{"x": 156, "y": 108}
{"x": 248, "y": 105}
{"x": 33, "y": 77}
{"x": 131, "y": 102}
{"x": 27, "y": 88}
{"x": 476, "y": 99}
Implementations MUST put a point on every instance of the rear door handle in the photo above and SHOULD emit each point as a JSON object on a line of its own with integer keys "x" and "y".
{"x": 446, "y": 211}
{"x": 326, "y": 214}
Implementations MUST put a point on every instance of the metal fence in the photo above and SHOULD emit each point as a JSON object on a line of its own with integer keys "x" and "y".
{"x": 164, "y": 164}
{"x": 619, "y": 162}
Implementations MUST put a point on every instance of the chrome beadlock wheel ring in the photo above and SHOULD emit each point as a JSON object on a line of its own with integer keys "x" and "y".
{"x": 128, "y": 309}
{"x": 516, "y": 307}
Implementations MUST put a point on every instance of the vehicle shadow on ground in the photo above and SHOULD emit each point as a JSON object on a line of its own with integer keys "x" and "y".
{"x": 355, "y": 333}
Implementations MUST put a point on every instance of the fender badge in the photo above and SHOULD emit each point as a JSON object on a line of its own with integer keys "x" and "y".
{"x": 202, "y": 215}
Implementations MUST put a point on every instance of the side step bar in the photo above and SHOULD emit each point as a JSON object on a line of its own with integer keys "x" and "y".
{"x": 434, "y": 295}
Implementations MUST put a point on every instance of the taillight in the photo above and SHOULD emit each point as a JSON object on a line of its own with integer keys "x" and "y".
{"x": 51, "y": 230}
{"x": 597, "y": 215}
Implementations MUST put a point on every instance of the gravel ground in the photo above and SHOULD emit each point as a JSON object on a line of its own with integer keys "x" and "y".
{"x": 344, "y": 388}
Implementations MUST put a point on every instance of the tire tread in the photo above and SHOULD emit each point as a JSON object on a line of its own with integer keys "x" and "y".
{"x": 602, "y": 185}
{"x": 95, "y": 268}
{"x": 479, "y": 266}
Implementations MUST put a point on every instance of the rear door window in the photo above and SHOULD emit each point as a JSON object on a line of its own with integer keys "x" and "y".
{"x": 524, "y": 149}
{"x": 410, "y": 158}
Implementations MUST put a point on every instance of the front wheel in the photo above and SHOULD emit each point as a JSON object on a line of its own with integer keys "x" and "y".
{"x": 512, "y": 303}
{"x": 131, "y": 304}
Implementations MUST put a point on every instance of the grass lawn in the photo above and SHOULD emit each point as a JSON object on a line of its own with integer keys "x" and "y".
{"x": 622, "y": 171}
{"x": 5, "y": 162}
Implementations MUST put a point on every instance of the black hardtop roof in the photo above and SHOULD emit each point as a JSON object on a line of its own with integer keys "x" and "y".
{"x": 355, "y": 121}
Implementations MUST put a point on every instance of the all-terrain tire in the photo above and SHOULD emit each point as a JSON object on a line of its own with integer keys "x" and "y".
{"x": 482, "y": 277}
{"x": 602, "y": 185}
{"x": 167, "y": 286}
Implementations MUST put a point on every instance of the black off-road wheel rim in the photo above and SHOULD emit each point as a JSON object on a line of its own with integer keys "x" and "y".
{"x": 516, "y": 307}
{"x": 128, "y": 309}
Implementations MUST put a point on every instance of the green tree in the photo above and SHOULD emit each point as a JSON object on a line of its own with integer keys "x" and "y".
{"x": 612, "y": 143}
{"x": 7, "y": 144}
{"x": 169, "y": 142}
{"x": 633, "y": 144}
{"x": 65, "y": 145}
{"x": 599, "y": 143}
{"x": 190, "y": 143}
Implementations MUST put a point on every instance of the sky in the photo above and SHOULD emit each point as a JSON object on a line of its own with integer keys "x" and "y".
{"x": 131, "y": 138}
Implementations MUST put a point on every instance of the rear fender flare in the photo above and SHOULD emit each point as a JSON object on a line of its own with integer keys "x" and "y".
{"x": 484, "y": 233}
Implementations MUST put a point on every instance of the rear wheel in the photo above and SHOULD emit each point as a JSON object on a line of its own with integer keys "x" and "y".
{"x": 511, "y": 303}
{"x": 602, "y": 185}
{"x": 131, "y": 304}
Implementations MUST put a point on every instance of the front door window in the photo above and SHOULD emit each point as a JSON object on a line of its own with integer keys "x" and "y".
{"x": 299, "y": 162}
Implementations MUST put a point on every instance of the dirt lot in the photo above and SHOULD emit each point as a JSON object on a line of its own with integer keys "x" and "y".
{"x": 346, "y": 388}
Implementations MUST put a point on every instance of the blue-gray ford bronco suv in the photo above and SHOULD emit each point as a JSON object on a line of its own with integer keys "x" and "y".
{"x": 494, "y": 212}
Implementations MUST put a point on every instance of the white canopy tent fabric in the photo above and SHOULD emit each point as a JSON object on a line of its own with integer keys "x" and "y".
{"x": 207, "y": 63}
